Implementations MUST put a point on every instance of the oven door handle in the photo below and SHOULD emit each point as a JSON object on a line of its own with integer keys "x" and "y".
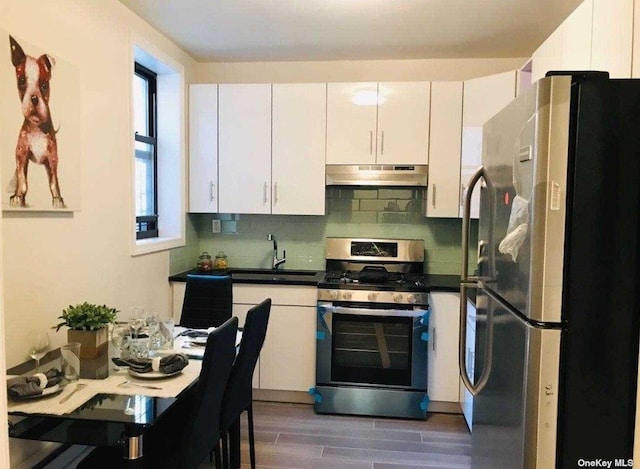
{"x": 402, "y": 313}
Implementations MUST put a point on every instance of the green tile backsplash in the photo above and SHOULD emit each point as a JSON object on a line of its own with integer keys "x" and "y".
{"x": 362, "y": 212}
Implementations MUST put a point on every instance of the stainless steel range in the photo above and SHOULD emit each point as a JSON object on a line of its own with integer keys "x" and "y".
{"x": 372, "y": 330}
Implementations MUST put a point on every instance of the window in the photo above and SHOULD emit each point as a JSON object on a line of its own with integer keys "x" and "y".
{"x": 146, "y": 152}
{"x": 158, "y": 168}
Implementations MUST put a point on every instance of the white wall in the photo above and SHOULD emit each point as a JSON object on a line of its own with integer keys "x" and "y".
{"x": 53, "y": 260}
{"x": 359, "y": 70}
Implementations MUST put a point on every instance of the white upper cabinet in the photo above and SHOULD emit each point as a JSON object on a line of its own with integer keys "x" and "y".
{"x": 298, "y": 153}
{"x": 598, "y": 35}
{"x": 245, "y": 148}
{"x": 403, "y": 123}
{"x": 576, "y": 38}
{"x": 443, "y": 191}
{"x": 482, "y": 98}
{"x": 548, "y": 56}
{"x": 612, "y": 37}
{"x": 351, "y": 123}
{"x": 272, "y": 148}
{"x": 203, "y": 148}
{"x": 378, "y": 123}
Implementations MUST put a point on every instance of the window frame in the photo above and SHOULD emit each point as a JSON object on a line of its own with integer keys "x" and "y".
{"x": 147, "y": 225}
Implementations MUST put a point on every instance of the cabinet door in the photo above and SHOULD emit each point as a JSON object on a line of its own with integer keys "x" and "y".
{"x": 444, "y": 326}
{"x": 288, "y": 357}
{"x": 203, "y": 148}
{"x": 351, "y": 123}
{"x": 177, "y": 292}
{"x": 482, "y": 98}
{"x": 548, "y": 56}
{"x": 245, "y": 148}
{"x": 298, "y": 168}
{"x": 443, "y": 191}
{"x": 612, "y": 37}
{"x": 403, "y": 123}
{"x": 576, "y": 38}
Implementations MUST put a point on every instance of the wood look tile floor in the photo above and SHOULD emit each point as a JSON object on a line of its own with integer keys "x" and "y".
{"x": 293, "y": 436}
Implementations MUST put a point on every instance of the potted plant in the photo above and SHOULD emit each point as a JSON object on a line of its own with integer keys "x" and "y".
{"x": 87, "y": 324}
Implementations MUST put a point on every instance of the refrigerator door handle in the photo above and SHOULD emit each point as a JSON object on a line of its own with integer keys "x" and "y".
{"x": 481, "y": 173}
{"x": 468, "y": 281}
{"x": 474, "y": 389}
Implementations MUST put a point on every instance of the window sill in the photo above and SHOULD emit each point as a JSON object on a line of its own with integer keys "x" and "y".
{"x": 147, "y": 246}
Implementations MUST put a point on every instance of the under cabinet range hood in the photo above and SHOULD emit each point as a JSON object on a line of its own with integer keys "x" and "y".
{"x": 376, "y": 175}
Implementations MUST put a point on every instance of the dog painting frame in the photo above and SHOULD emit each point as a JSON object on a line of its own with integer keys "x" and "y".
{"x": 39, "y": 128}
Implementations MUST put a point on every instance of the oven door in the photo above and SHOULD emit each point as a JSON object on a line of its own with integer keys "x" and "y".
{"x": 372, "y": 347}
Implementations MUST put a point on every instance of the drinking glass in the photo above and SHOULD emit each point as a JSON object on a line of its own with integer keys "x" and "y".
{"x": 152, "y": 328}
{"x": 40, "y": 345}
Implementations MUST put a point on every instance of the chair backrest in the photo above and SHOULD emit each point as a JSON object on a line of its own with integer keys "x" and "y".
{"x": 208, "y": 301}
{"x": 202, "y": 430}
{"x": 238, "y": 394}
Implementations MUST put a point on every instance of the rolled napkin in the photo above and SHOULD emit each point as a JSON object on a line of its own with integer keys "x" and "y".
{"x": 28, "y": 386}
{"x": 168, "y": 364}
{"x": 194, "y": 334}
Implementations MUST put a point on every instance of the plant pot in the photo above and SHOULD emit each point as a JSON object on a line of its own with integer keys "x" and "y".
{"x": 93, "y": 343}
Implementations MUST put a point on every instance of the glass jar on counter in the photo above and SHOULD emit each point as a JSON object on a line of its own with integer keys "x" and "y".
{"x": 205, "y": 264}
{"x": 221, "y": 262}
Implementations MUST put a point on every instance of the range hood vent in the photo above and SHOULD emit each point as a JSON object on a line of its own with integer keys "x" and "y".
{"x": 376, "y": 175}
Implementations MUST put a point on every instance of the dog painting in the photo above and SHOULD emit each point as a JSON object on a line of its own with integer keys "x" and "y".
{"x": 38, "y": 138}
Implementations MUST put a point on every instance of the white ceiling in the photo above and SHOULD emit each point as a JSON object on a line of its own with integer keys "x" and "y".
{"x": 294, "y": 30}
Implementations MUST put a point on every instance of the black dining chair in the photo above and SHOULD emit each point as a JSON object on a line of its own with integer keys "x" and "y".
{"x": 208, "y": 301}
{"x": 189, "y": 434}
{"x": 238, "y": 396}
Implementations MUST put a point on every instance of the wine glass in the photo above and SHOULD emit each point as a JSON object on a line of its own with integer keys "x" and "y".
{"x": 120, "y": 335}
{"x": 40, "y": 345}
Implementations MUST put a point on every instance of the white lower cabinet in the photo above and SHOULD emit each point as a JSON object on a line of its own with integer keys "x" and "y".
{"x": 177, "y": 295}
{"x": 288, "y": 357}
{"x": 443, "y": 383}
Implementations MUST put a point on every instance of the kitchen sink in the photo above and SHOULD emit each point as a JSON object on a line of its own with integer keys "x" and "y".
{"x": 274, "y": 273}
{"x": 271, "y": 275}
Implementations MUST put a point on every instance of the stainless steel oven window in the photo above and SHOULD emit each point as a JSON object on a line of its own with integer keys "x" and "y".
{"x": 382, "y": 249}
{"x": 372, "y": 349}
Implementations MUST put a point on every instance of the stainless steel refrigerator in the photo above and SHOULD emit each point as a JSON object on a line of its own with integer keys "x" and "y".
{"x": 557, "y": 283}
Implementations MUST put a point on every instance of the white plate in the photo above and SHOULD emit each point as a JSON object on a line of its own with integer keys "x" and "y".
{"x": 55, "y": 389}
{"x": 201, "y": 341}
{"x": 152, "y": 374}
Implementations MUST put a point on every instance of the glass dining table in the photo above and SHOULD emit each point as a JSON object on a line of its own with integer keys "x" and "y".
{"x": 109, "y": 409}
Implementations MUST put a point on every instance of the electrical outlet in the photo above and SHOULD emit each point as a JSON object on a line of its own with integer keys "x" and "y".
{"x": 215, "y": 226}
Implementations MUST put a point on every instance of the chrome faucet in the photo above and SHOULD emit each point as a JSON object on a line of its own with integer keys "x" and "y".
{"x": 275, "y": 262}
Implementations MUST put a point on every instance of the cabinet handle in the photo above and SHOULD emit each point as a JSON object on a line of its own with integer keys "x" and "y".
{"x": 382, "y": 143}
{"x": 264, "y": 194}
{"x": 212, "y": 188}
{"x": 433, "y": 196}
{"x": 371, "y": 142}
{"x": 275, "y": 193}
{"x": 433, "y": 340}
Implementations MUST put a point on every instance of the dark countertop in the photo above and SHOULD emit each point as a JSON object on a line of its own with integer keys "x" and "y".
{"x": 261, "y": 276}
{"x": 437, "y": 283}
{"x": 443, "y": 283}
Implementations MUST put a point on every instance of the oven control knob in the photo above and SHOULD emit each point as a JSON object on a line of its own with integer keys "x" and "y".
{"x": 411, "y": 298}
{"x": 372, "y": 296}
{"x": 397, "y": 297}
{"x": 333, "y": 294}
{"x": 347, "y": 295}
